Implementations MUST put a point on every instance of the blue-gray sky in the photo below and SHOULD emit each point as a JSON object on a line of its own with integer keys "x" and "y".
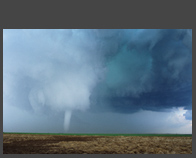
{"x": 97, "y": 81}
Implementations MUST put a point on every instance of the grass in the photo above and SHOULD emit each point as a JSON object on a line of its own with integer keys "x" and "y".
{"x": 86, "y": 134}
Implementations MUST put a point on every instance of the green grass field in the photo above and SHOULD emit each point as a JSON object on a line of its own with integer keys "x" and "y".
{"x": 86, "y": 134}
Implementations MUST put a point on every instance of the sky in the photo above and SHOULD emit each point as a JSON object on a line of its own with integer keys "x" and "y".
{"x": 97, "y": 80}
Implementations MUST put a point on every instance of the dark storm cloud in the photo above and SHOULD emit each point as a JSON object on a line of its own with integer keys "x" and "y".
{"x": 121, "y": 71}
{"x": 152, "y": 70}
{"x": 132, "y": 69}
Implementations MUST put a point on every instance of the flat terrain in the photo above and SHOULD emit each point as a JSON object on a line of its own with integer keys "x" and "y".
{"x": 81, "y": 144}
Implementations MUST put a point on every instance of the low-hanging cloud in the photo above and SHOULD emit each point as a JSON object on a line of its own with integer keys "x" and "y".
{"x": 152, "y": 70}
{"x": 120, "y": 71}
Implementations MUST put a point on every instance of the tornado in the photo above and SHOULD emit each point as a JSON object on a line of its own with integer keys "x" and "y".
{"x": 67, "y": 119}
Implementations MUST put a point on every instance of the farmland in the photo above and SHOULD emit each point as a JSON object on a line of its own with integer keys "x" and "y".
{"x": 58, "y": 143}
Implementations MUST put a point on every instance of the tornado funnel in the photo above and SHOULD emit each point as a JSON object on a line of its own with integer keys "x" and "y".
{"x": 67, "y": 119}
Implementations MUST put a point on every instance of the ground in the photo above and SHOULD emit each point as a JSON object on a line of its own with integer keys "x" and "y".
{"x": 64, "y": 144}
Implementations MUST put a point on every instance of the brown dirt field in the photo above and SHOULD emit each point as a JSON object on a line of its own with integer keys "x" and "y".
{"x": 56, "y": 144}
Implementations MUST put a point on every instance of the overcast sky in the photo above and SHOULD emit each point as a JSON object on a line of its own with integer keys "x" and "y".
{"x": 97, "y": 81}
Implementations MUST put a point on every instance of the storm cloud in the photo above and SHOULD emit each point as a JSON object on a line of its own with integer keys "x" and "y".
{"x": 152, "y": 70}
{"x": 116, "y": 71}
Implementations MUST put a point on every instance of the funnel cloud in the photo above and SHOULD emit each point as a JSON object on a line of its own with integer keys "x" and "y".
{"x": 97, "y": 80}
{"x": 67, "y": 120}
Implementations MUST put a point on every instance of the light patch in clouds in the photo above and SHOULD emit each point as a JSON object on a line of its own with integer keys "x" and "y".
{"x": 178, "y": 119}
{"x": 188, "y": 115}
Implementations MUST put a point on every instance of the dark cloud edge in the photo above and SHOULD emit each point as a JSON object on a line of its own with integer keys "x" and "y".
{"x": 16, "y": 15}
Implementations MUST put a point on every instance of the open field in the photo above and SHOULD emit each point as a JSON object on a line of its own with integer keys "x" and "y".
{"x": 15, "y": 143}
